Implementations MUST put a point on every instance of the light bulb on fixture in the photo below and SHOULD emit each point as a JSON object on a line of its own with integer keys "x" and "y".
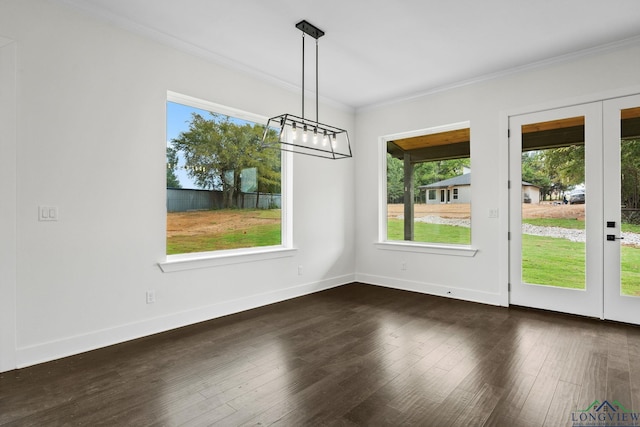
{"x": 325, "y": 138}
{"x": 315, "y": 136}
{"x": 294, "y": 132}
{"x": 304, "y": 133}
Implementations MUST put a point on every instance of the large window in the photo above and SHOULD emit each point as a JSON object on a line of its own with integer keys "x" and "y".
{"x": 224, "y": 185}
{"x": 428, "y": 183}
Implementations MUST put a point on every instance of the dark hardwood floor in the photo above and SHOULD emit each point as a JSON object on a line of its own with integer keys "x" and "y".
{"x": 356, "y": 355}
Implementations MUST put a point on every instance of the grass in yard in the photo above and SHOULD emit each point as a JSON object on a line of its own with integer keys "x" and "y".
{"x": 259, "y": 235}
{"x": 545, "y": 260}
{"x": 224, "y": 229}
{"x": 560, "y": 262}
{"x": 430, "y": 233}
{"x": 631, "y": 228}
{"x": 630, "y": 270}
{"x": 552, "y": 261}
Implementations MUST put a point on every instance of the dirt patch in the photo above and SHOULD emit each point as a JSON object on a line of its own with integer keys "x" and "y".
{"x": 463, "y": 210}
{"x": 457, "y": 210}
{"x": 549, "y": 210}
{"x": 213, "y": 222}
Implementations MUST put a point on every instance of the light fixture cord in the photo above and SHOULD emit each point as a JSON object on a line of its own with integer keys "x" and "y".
{"x": 303, "y": 75}
{"x": 317, "y": 81}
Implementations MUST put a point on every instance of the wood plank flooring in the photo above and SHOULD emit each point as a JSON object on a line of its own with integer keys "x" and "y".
{"x": 357, "y": 355}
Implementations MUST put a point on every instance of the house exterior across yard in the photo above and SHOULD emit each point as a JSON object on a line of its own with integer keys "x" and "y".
{"x": 458, "y": 190}
{"x": 452, "y": 190}
{"x": 530, "y": 193}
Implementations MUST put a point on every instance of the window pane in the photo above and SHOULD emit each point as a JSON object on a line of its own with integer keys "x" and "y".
{"x": 223, "y": 184}
{"x": 429, "y": 188}
{"x": 553, "y": 204}
{"x": 630, "y": 201}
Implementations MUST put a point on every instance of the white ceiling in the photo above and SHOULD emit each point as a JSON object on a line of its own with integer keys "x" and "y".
{"x": 375, "y": 51}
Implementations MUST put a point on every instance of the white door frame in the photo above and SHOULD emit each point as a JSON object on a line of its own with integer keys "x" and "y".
{"x": 616, "y": 306}
{"x": 587, "y": 301}
{"x": 8, "y": 196}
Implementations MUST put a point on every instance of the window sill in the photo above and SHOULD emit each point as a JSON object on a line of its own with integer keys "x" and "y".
{"x": 454, "y": 250}
{"x": 219, "y": 258}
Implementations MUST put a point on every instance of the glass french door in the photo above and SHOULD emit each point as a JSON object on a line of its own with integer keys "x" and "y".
{"x": 621, "y": 158}
{"x": 575, "y": 245}
{"x": 556, "y": 237}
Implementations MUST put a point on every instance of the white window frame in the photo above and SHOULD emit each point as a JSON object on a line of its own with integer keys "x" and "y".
{"x": 189, "y": 261}
{"x": 404, "y": 246}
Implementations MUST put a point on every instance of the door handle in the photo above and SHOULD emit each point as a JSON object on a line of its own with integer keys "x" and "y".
{"x": 613, "y": 238}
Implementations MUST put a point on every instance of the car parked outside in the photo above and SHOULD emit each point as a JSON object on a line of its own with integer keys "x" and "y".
{"x": 577, "y": 197}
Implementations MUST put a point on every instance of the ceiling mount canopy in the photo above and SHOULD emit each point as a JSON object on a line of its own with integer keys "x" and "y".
{"x": 300, "y": 135}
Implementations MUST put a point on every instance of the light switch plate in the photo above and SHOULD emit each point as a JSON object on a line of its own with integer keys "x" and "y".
{"x": 47, "y": 213}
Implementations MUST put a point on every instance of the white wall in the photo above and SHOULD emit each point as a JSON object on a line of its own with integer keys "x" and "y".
{"x": 91, "y": 141}
{"x": 7, "y": 204}
{"x": 485, "y": 104}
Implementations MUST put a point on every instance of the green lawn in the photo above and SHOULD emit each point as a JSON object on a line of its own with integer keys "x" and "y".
{"x": 552, "y": 261}
{"x": 430, "y": 233}
{"x": 545, "y": 260}
{"x": 261, "y": 235}
{"x": 238, "y": 233}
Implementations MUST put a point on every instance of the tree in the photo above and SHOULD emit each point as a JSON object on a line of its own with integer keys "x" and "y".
{"x": 172, "y": 164}
{"x": 534, "y": 172}
{"x": 630, "y": 173}
{"x": 565, "y": 166}
{"x": 395, "y": 179}
{"x": 218, "y": 149}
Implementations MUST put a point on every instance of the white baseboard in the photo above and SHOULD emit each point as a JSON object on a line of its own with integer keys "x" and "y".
{"x": 431, "y": 289}
{"x": 53, "y": 350}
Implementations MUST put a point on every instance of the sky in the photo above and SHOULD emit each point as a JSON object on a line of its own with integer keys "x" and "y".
{"x": 178, "y": 118}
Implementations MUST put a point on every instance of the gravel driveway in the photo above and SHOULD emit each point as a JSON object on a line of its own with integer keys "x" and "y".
{"x": 630, "y": 239}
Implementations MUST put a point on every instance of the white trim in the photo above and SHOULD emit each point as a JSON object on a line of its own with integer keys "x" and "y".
{"x": 190, "y": 261}
{"x": 69, "y": 346}
{"x": 426, "y": 131}
{"x": 219, "y": 258}
{"x": 423, "y": 247}
{"x": 202, "y": 104}
{"x": 431, "y": 289}
{"x": 8, "y": 195}
{"x": 426, "y": 248}
{"x": 503, "y": 206}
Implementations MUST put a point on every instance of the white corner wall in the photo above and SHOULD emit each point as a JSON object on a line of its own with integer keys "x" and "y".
{"x": 614, "y": 71}
{"x": 7, "y": 204}
{"x": 91, "y": 141}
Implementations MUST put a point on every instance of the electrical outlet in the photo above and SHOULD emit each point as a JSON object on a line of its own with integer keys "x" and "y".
{"x": 151, "y": 297}
{"x": 299, "y": 270}
{"x": 403, "y": 266}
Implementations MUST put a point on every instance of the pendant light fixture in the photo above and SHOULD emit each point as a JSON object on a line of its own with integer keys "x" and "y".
{"x": 305, "y": 136}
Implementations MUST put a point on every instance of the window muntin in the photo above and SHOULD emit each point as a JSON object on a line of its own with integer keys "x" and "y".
{"x": 224, "y": 186}
{"x": 428, "y": 186}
